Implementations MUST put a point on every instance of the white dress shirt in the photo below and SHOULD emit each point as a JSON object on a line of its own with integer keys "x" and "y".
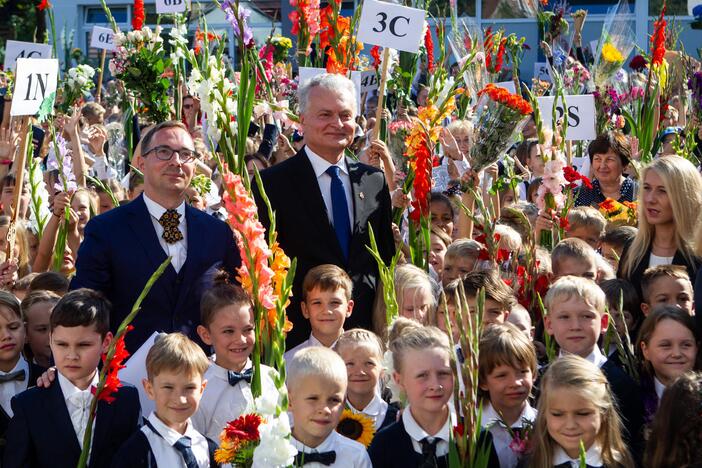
{"x": 222, "y": 402}
{"x": 177, "y": 250}
{"x": 78, "y": 404}
{"x": 162, "y": 444}
{"x": 12, "y": 388}
{"x": 311, "y": 341}
{"x": 349, "y": 453}
{"x": 593, "y": 457}
{"x": 416, "y": 433}
{"x": 659, "y": 387}
{"x": 501, "y": 437}
{"x": 320, "y": 166}
{"x": 596, "y": 357}
{"x": 376, "y": 410}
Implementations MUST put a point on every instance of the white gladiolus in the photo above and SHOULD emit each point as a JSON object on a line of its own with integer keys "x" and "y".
{"x": 275, "y": 448}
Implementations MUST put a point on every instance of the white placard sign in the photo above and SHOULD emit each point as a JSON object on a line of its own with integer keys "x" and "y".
{"x": 34, "y": 80}
{"x": 542, "y": 72}
{"x": 16, "y": 50}
{"x": 369, "y": 81}
{"x": 171, "y": 6}
{"x": 307, "y": 73}
{"x": 508, "y": 85}
{"x": 581, "y": 115}
{"x": 391, "y": 25}
{"x": 102, "y": 38}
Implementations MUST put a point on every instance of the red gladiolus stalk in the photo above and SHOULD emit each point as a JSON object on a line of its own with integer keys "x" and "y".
{"x": 44, "y": 5}
{"x": 658, "y": 40}
{"x": 375, "y": 53}
{"x": 138, "y": 16}
{"x": 429, "y": 46}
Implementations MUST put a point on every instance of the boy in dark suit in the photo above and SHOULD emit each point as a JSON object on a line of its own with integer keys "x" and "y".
{"x": 16, "y": 373}
{"x": 175, "y": 367}
{"x": 48, "y": 424}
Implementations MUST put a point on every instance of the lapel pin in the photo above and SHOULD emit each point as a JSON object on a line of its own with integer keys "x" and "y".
{"x": 361, "y": 195}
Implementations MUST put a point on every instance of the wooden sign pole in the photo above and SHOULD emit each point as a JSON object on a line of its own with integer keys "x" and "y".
{"x": 102, "y": 68}
{"x": 18, "y": 166}
{"x": 381, "y": 93}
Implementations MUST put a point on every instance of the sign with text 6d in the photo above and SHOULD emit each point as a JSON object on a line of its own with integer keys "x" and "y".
{"x": 390, "y": 25}
{"x": 171, "y": 6}
{"x": 34, "y": 80}
{"x": 16, "y": 50}
{"x": 580, "y": 114}
{"x": 102, "y": 38}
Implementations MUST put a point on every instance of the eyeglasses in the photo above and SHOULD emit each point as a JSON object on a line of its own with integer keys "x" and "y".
{"x": 165, "y": 153}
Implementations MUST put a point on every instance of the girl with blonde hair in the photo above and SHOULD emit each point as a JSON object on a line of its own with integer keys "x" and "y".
{"x": 670, "y": 201}
{"x": 575, "y": 406}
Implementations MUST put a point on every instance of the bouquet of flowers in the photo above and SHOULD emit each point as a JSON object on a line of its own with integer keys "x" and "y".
{"x": 576, "y": 77}
{"x": 140, "y": 62}
{"x": 616, "y": 43}
{"x": 281, "y": 47}
{"x": 77, "y": 85}
{"x": 623, "y": 213}
{"x": 499, "y": 117}
{"x": 466, "y": 42}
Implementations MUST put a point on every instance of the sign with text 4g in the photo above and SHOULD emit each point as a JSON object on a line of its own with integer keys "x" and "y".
{"x": 390, "y": 25}
{"x": 16, "y": 50}
{"x": 580, "y": 113}
{"x": 34, "y": 80}
{"x": 171, "y": 6}
{"x": 102, "y": 38}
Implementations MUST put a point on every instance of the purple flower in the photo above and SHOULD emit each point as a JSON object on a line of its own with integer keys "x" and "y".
{"x": 242, "y": 14}
{"x": 62, "y": 163}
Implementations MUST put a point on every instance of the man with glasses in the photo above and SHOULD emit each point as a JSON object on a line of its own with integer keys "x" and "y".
{"x": 124, "y": 246}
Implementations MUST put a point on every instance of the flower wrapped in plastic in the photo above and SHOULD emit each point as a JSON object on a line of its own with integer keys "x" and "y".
{"x": 467, "y": 44}
{"x": 499, "y": 117}
{"x": 616, "y": 43}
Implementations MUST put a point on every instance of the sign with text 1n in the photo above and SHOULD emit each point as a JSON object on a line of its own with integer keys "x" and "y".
{"x": 580, "y": 113}
{"x": 390, "y": 25}
{"x": 171, "y": 6}
{"x": 16, "y": 50}
{"x": 34, "y": 80}
{"x": 102, "y": 38}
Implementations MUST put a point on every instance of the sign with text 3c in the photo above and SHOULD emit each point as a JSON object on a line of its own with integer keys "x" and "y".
{"x": 16, "y": 50}
{"x": 34, "y": 80}
{"x": 171, "y": 6}
{"x": 102, "y": 38}
{"x": 390, "y": 25}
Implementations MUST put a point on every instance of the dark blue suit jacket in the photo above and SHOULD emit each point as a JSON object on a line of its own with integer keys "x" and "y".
{"x": 41, "y": 433}
{"x": 137, "y": 453}
{"x": 121, "y": 251}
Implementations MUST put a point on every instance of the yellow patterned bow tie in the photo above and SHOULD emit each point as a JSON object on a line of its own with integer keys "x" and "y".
{"x": 170, "y": 221}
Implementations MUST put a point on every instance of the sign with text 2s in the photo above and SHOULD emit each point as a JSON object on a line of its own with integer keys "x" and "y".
{"x": 581, "y": 115}
{"x": 34, "y": 80}
{"x": 171, "y": 6}
{"x": 390, "y": 25}
{"x": 16, "y": 50}
{"x": 102, "y": 38}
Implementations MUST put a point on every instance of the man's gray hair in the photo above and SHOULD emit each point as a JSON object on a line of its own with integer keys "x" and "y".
{"x": 330, "y": 81}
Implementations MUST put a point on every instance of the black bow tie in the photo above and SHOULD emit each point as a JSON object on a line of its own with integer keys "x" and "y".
{"x": 325, "y": 458}
{"x": 12, "y": 376}
{"x": 236, "y": 377}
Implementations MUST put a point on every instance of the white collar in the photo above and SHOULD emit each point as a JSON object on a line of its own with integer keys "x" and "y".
{"x": 327, "y": 445}
{"x": 156, "y": 210}
{"x": 373, "y": 408}
{"x": 320, "y": 165}
{"x": 490, "y": 415}
{"x": 418, "y": 434}
{"x": 223, "y": 373}
{"x": 21, "y": 364}
{"x": 68, "y": 388}
{"x": 660, "y": 388}
{"x": 595, "y": 357}
{"x": 315, "y": 342}
{"x": 593, "y": 457}
{"x": 171, "y": 436}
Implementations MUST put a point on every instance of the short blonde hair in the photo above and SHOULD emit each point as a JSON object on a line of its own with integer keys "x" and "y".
{"x": 572, "y": 248}
{"x": 568, "y": 286}
{"x": 587, "y": 216}
{"x": 510, "y": 236}
{"x": 418, "y": 338}
{"x": 504, "y": 344}
{"x": 360, "y": 337}
{"x": 316, "y": 361}
{"x": 467, "y": 248}
{"x": 176, "y": 352}
{"x": 409, "y": 276}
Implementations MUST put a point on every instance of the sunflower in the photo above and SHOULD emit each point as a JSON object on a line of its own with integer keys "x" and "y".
{"x": 356, "y": 426}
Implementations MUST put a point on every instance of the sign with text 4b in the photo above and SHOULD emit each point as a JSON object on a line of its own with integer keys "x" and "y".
{"x": 34, "y": 80}
{"x": 171, "y": 6}
{"x": 16, "y": 50}
{"x": 580, "y": 114}
{"x": 102, "y": 38}
{"x": 390, "y": 25}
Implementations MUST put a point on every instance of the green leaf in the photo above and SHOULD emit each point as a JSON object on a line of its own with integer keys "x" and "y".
{"x": 46, "y": 108}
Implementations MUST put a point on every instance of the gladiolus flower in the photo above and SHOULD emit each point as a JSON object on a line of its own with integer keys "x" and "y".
{"x": 138, "y": 16}
{"x": 112, "y": 382}
{"x": 658, "y": 39}
{"x": 375, "y": 53}
{"x": 429, "y": 46}
{"x": 44, "y": 5}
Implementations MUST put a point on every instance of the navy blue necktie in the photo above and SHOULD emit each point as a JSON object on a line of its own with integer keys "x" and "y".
{"x": 184, "y": 446}
{"x": 340, "y": 211}
{"x": 236, "y": 377}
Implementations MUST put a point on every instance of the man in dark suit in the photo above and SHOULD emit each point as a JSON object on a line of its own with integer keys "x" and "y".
{"x": 123, "y": 247}
{"x": 325, "y": 203}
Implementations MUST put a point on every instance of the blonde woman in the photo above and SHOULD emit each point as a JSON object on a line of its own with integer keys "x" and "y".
{"x": 670, "y": 201}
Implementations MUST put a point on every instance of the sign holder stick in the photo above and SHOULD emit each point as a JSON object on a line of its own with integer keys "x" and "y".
{"x": 102, "y": 68}
{"x": 381, "y": 94}
{"x": 18, "y": 165}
